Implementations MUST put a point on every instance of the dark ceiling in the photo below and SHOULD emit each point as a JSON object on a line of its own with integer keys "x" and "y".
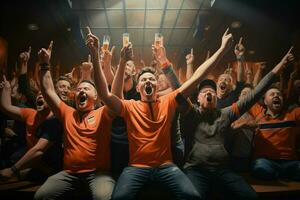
{"x": 268, "y": 27}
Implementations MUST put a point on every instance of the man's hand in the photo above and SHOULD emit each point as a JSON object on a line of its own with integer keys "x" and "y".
{"x": 86, "y": 66}
{"x": 92, "y": 42}
{"x": 227, "y": 40}
{"x": 127, "y": 52}
{"x": 190, "y": 58}
{"x": 5, "y": 84}
{"x": 288, "y": 57}
{"x": 160, "y": 54}
{"x": 239, "y": 49}
{"x": 6, "y": 174}
{"x": 107, "y": 56}
{"x": 24, "y": 56}
{"x": 44, "y": 55}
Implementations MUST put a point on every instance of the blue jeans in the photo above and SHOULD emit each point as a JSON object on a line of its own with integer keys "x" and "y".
{"x": 170, "y": 176}
{"x": 268, "y": 169}
{"x": 63, "y": 185}
{"x": 225, "y": 181}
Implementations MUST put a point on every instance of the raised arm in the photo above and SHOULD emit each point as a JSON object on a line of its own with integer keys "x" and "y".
{"x": 259, "y": 72}
{"x": 6, "y": 105}
{"x": 166, "y": 66}
{"x": 112, "y": 101}
{"x": 203, "y": 69}
{"x": 246, "y": 103}
{"x": 107, "y": 69}
{"x": 86, "y": 70}
{"x": 189, "y": 65}
{"x": 239, "y": 51}
{"x": 24, "y": 84}
{"x": 47, "y": 86}
{"x": 118, "y": 82}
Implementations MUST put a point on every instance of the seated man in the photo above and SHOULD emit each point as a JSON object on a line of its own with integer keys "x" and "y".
{"x": 275, "y": 140}
{"x": 206, "y": 128}
{"x": 86, "y": 140}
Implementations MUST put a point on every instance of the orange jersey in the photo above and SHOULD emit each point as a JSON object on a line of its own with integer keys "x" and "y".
{"x": 149, "y": 128}
{"x": 276, "y": 137}
{"x": 32, "y": 121}
{"x": 86, "y": 141}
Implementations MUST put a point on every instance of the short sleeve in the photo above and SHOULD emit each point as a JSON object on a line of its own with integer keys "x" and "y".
{"x": 125, "y": 105}
{"x": 26, "y": 113}
{"x": 171, "y": 98}
{"x": 64, "y": 110}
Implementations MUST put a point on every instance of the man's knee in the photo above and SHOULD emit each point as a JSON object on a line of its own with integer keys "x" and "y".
{"x": 41, "y": 194}
{"x": 263, "y": 170}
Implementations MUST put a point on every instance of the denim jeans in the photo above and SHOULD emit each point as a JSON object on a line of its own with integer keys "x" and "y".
{"x": 268, "y": 169}
{"x": 63, "y": 185}
{"x": 225, "y": 181}
{"x": 169, "y": 176}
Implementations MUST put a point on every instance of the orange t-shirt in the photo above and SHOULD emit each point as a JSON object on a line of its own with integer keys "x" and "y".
{"x": 149, "y": 131}
{"x": 32, "y": 121}
{"x": 276, "y": 137}
{"x": 86, "y": 142}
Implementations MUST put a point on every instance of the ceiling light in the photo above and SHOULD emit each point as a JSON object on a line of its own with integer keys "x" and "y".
{"x": 236, "y": 24}
{"x": 33, "y": 27}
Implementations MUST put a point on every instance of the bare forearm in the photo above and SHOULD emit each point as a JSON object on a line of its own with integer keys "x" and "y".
{"x": 29, "y": 158}
{"x": 49, "y": 92}
{"x": 257, "y": 77}
{"x": 108, "y": 73}
{"x": 189, "y": 71}
{"x": 171, "y": 76}
{"x": 7, "y": 107}
{"x": 240, "y": 70}
{"x": 201, "y": 72}
{"x": 118, "y": 81}
{"x": 99, "y": 78}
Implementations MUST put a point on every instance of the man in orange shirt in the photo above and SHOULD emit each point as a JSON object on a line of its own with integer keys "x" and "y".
{"x": 275, "y": 139}
{"x": 86, "y": 140}
{"x": 148, "y": 126}
{"x": 43, "y": 143}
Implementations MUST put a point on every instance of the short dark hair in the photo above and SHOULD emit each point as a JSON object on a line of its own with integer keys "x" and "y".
{"x": 146, "y": 70}
{"x": 248, "y": 85}
{"x": 64, "y": 78}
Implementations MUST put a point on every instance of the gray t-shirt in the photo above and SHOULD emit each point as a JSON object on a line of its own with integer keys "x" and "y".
{"x": 205, "y": 132}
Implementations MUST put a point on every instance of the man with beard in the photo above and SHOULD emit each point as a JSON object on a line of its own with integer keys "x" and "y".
{"x": 148, "y": 125}
{"x": 275, "y": 141}
{"x": 226, "y": 96}
{"x": 43, "y": 135}
{"x": 86, "y": 140}
{"x": 205, "y": 128}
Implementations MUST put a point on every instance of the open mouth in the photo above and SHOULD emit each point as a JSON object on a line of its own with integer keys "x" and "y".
{"x": 276, "y": 102}
{"x": 82, "y": 99}
{"x": 209, "y": 98}
{"x": 148, "y": 90}
{"x": 40, "y": 102}
{"x": 222, "y": 86}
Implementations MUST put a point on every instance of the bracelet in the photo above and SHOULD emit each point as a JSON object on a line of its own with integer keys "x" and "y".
{"x": 44, "y": 66}
{"x": 15, "y": 170}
